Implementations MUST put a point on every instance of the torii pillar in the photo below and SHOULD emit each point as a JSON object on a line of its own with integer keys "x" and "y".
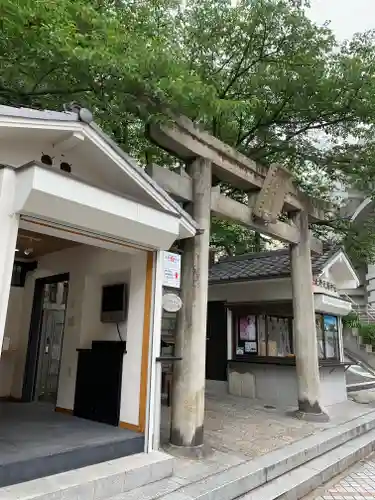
{"x": 305, "y": 339}
{"x": 188, "y": 393}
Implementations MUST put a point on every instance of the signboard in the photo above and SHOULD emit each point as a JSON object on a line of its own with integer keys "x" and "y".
{"x": 171, "y": 270}
{"x": 270, "y": 200}
{"x": 171, "y": 302}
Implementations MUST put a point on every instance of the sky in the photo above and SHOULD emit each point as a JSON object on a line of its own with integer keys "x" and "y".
{"x": 347, "y": 16}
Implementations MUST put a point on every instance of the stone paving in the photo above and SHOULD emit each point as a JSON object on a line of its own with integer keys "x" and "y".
{"x": 240, "y": 429}
{"x": 358, "y": 483}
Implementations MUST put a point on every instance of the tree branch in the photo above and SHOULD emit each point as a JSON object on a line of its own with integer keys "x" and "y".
{"x": 40, "y": 80}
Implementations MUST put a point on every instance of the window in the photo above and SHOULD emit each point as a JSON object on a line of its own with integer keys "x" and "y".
{"x": 65, "y": 293}
{"x": 52, "y": 292}
{"x": 272, "y": 335}
{"x": 327, "y": 331}
{"x": 279, "y": 336}
{"x": 263, "y": 335}
{"x": 17, "y": 276}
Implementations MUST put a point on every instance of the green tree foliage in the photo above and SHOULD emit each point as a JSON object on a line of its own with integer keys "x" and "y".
{"x": 260, "y": 76}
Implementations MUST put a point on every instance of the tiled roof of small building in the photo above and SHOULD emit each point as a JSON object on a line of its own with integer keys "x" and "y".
{"x": 264, "y": 265}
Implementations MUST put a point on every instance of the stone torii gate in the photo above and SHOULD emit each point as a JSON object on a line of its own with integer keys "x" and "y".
{"x": 270, "y": 193}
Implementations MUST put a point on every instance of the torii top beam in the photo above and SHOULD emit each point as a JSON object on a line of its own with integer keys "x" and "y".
{"x": 185, "y": 141}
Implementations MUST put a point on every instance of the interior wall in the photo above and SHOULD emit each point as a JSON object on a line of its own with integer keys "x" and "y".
{"x": 89, "y": 268}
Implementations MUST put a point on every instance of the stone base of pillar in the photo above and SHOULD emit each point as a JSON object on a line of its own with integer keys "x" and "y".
{"x": 189, "y": 452}
{"x": 310, "y": 416}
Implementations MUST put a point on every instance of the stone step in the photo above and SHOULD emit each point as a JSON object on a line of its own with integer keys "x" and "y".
{"x": 95, "y": 482}
{"x": 149, "y": 491}
{"x": 296, "y": 484}
{"x": 261, "y": 472}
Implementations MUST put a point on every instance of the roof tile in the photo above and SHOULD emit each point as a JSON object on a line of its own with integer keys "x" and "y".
{"x": 264, "y": 265}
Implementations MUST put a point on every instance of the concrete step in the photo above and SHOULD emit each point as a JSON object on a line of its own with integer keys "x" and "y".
{"x": 334, "y": 446}
{"x": 360, "y": 386}
{"x": 151, "y": 491}
{"x": 95, "y": 482}
{"x": 296, "y": 484}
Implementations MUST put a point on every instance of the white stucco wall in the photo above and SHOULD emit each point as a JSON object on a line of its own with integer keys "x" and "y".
{"x": 89, "y": 269}
{"x": 252, "y": 292}
{"x": 370, "y": 280}
{"x": 278, "y": 384}
{"x": 268, "y": 291}
{"x": 12, "y": 328}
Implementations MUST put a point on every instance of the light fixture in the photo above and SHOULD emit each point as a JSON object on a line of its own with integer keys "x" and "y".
{"x": 65, "y": 167}
{"x": 46, "y": 160}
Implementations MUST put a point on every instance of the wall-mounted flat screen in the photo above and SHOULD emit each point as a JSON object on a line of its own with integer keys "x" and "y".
{"x": 114, "y": 303}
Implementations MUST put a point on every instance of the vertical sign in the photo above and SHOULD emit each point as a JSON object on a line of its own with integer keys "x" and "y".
{"x": 171, "y": 270}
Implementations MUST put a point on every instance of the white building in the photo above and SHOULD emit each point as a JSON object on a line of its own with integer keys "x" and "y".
{"x": 76, "y": 215}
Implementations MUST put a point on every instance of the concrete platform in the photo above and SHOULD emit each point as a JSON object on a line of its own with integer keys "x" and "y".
{"x": 35, "y": 442}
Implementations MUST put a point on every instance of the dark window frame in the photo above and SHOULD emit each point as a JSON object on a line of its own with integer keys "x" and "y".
{"x": 238, "y": 314}
{"x": 20, "y": 270}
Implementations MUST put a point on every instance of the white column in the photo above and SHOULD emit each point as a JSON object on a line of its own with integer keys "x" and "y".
{"x": 9, "y": 222}
{"x": 305, "y": 341}
{"x": 152, "y": 437}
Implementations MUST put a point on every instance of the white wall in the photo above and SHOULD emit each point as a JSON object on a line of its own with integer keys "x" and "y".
{"x": 370, "y": 277}
{"x": 89, "y": 269}
{"x": 13, "y": 155}
{"x": 255, "y": 291}
{"x": 258, "y": 291}
{"x": 278, "y": 384}
{"x": 12, "y": 327}
{"x": 8, "y": 238}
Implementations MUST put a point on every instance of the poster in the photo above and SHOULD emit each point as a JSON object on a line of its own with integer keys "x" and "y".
{"x": 171, "y": 270}
{"x": 247, "y": 328}
{"x": 239, "y": 351}
{"x": 250, "y": 347}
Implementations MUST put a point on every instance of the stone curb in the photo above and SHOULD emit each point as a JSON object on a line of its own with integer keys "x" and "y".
{"x": 95, "y": 482}
{"x": 241, "y": 479}
{"x": 301, "y": 481}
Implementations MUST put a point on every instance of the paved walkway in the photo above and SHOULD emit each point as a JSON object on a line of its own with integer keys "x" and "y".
{"x": 358, "y": 483}
{"x": 239, "y": 429}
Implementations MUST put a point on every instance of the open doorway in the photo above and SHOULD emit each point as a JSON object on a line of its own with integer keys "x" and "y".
{"x": 46, "y": 339}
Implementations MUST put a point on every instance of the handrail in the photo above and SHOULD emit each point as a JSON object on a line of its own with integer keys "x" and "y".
{"x": 368, "y": 307}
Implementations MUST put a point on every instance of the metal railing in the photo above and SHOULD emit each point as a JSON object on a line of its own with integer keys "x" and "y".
{"x": 367, "y": 311}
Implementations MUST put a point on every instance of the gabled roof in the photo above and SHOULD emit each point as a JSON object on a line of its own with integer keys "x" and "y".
{"x": 264, "y": 265}
{"x": 82, "y": 118}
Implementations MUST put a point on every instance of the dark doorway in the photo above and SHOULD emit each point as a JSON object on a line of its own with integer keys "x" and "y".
{"x": 45, "y": 339}
{"x": 216, "y": 346}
